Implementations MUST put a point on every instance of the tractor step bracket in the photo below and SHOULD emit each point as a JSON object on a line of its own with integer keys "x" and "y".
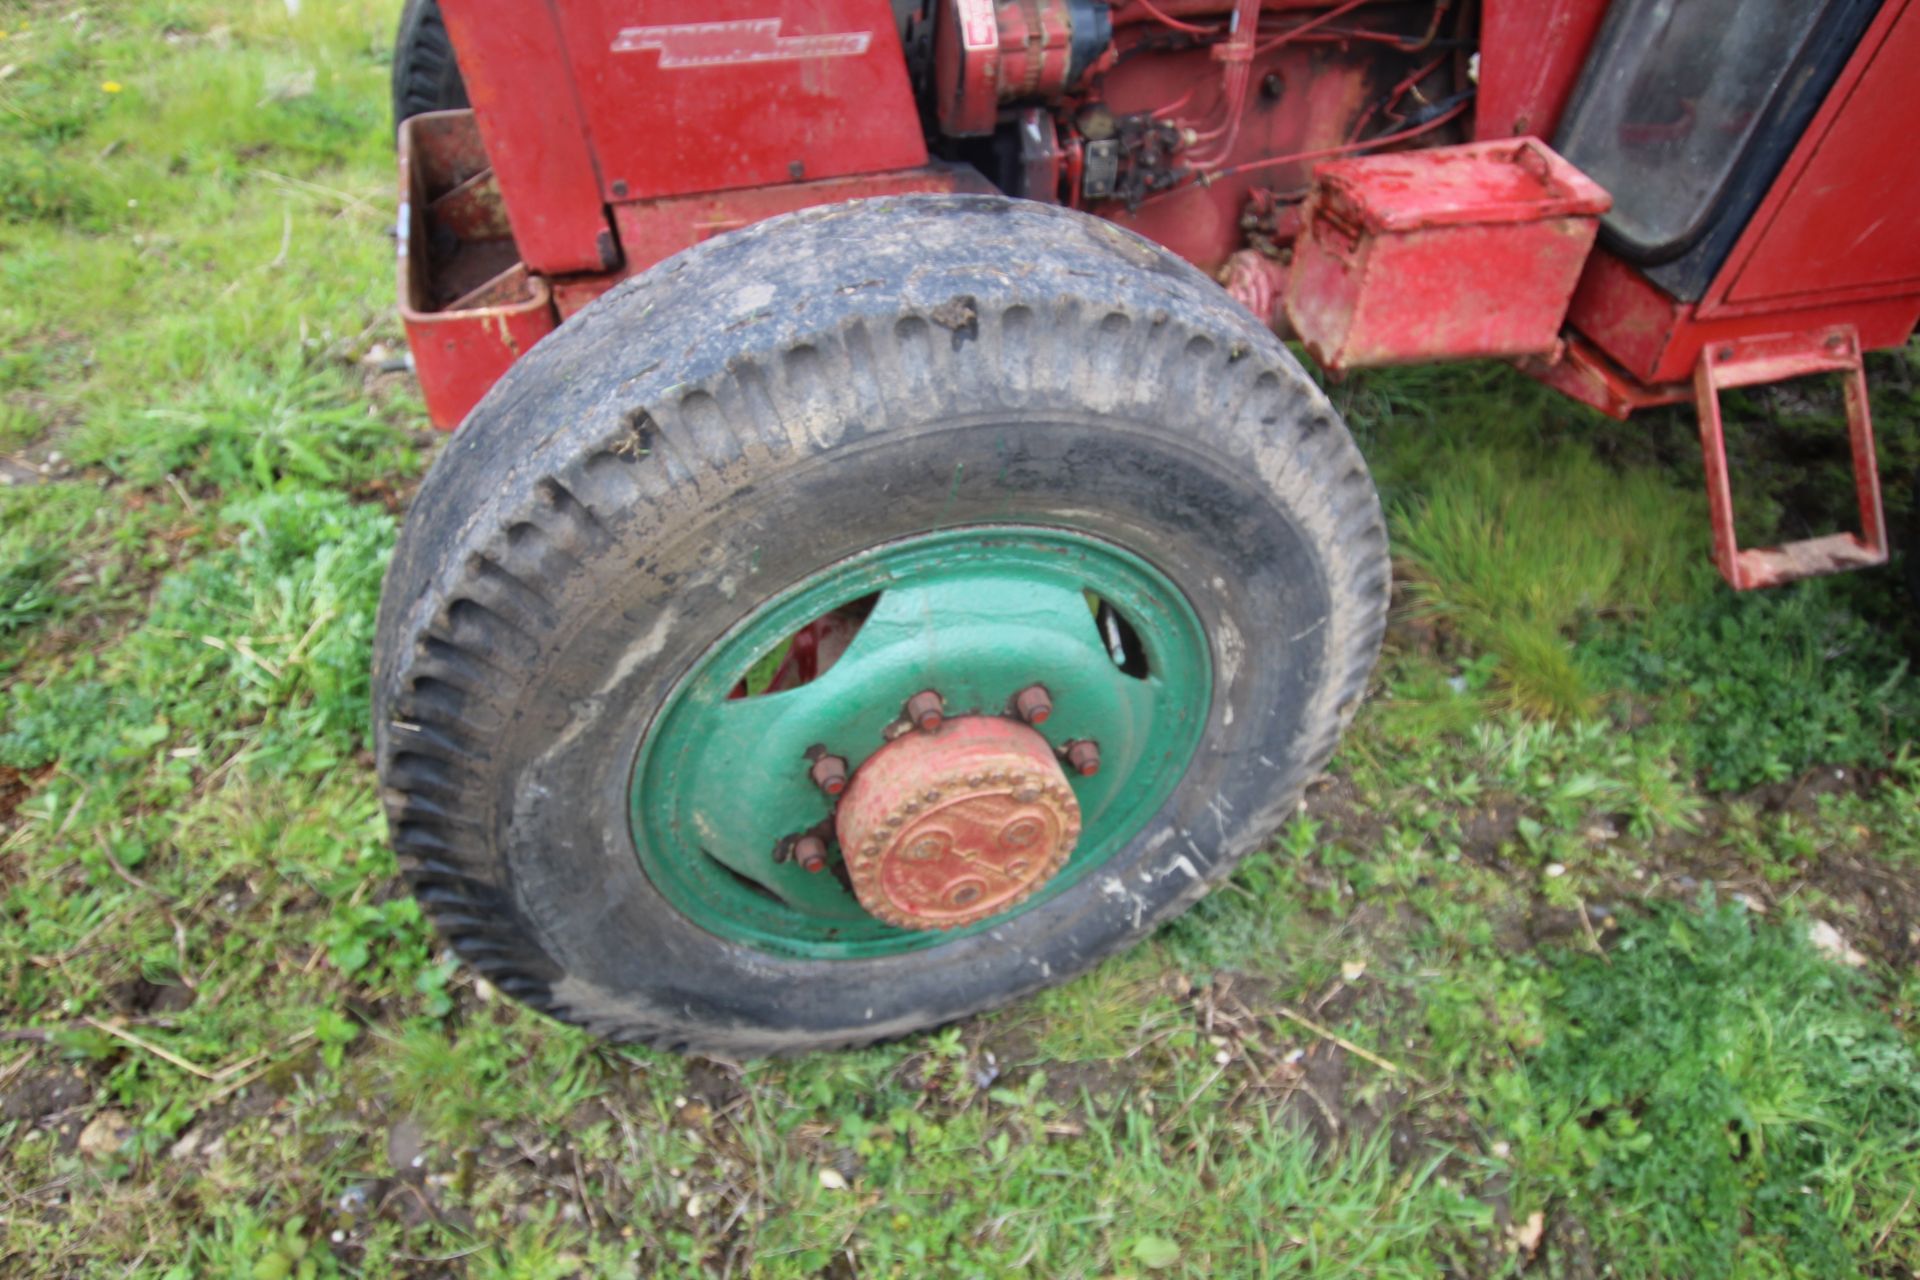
{"x": 1758, "y": 361}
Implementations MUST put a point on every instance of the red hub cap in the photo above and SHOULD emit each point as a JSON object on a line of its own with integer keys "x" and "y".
{"x": 943, "y": 828}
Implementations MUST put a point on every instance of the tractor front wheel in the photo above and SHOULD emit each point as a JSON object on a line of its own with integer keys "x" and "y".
{"x": 425, "y": 75}
{"x": 864, "y": 618}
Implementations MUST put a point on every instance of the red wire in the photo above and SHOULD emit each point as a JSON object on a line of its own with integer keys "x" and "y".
{"x": 1307, "y": 26}
{"x": 1270, "y": 162}
{"x": 1160, "y": 113}
{"x": 1175, "y": 23}
{"x": 1244, "y": 36}
{"x": 1394, "y": 95}
{"x": 1400, "y": 90}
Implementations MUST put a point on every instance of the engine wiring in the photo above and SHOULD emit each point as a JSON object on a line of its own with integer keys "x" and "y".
{"x": 1448, "y": 110}
{"x": 1246, "y": 37}
{"x": 1176, "y": 24}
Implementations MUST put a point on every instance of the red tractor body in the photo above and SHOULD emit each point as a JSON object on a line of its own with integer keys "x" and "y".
{"x": 1373, "y": 178}
{"x": 930, "y": 572}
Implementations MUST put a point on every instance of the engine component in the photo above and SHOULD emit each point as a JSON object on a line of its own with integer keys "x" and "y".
{"x": 986, "y": 52}
{"x": 1039, "y": 174}
{"x": 1103, "y": 169}
{"x": 1150, "y": 150}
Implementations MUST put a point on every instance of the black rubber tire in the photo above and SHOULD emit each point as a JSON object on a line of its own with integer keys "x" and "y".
{"x": 425, "y": 75}
{"x": 765, "y": 405}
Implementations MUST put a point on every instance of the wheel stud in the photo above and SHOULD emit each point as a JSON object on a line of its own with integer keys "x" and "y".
{"x": 829, "y": 773}
{"x": 811, "y": 853}
{"x": 1033, "y": 704}
{"x": 1083, "y": 757}
{"x": 926, "y": 709}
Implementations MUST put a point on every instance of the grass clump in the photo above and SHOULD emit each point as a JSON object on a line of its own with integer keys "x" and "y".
{"x": 1762, "y": 685}
{"x": 1730, "y": 1095}
{"x": 1517, "y": 551}
{"x": 251, "y": 429}
{"x": 278, "y": 622}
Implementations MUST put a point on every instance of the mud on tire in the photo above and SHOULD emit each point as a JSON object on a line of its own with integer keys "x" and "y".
{"x": 767, "y": 404}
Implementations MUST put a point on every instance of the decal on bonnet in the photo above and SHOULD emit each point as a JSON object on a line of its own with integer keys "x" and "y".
{"x": 724, "y": 44}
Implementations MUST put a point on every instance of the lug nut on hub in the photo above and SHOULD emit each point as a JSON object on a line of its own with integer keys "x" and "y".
{"x": 1083, "y": 757}
{"x": 811, "y": 853}
{"x": 829, "y": 773}
{"x": 1033, "y": 704}
{"x": 927, "y": 710}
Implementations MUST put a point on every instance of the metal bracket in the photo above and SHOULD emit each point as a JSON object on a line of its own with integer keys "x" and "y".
{"x": 1748, "y": 362}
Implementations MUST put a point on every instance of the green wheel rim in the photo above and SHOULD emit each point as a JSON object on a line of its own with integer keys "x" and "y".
{"x": 978, "y": 614}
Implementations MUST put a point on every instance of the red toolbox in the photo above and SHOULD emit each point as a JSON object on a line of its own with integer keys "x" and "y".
{"x": 1444, "y": 254}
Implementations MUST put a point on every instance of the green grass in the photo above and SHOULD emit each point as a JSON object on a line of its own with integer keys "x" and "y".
{"x": 1763, "y": 686}
{"x": 1516, "y": 549}
{"x": 231, "y": 1046}
{"x": 1740, "y": 1103}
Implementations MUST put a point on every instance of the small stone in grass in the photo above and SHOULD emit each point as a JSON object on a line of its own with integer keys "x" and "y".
{"x": 832, "y": 1180}
{"x": 105, "y": 1134}
{"x": 1827, "y": 940}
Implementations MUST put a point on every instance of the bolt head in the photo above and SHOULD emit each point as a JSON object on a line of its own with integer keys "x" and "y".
{"x": 811, "y": 853}
{"x": 1084, "y": 757}
{"x": 927, "y": 710}
{"x": 829, "y": 773}
{"x": 1033, "y": 704}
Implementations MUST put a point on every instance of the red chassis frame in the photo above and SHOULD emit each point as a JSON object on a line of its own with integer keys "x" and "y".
{"x": 614, "y": 133}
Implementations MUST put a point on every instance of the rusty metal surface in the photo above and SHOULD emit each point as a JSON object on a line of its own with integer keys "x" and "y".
{"x": 472, "y": 209}
{"x": 1530, "y": 56}
{"x": 1445, "y": 254}
{"x": 469, "y": 306}
{"x": 1775, "y": 358}
{"x": 946, "y": 827}
{"x": 1580, "y": 370}
{"x": 1259, "y": 283}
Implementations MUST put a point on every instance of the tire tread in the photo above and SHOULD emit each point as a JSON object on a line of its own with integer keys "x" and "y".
{"x": 454, "y": 641}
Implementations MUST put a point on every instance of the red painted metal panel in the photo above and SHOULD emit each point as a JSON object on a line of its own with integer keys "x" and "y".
{"x": 1451, "y": 253}
{"x": 1582, "y": 371}
{"x": 1658, "y": 339}
{"x": 651, "y": 230}
{"x": 1845, "y": 216}
{"x": 459, "y": 355}
{"x": 1626, "y": 315}
{"x": 520, "y": 84}
{"x": 473, "y": 311}
{"x": 681, "y": 98}
{"x": 1531, "y": 54}
{"x": 1836, "y": 242}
